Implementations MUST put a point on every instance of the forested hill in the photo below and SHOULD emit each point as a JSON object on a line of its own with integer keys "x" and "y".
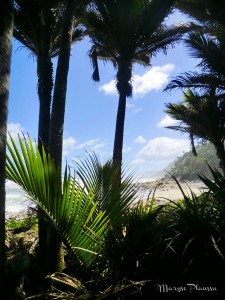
{"x": 188, "y": 166}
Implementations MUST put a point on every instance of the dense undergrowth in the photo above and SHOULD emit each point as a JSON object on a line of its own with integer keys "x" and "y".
{"x": 112, "y": 247}
{"x": 176, "y": 244}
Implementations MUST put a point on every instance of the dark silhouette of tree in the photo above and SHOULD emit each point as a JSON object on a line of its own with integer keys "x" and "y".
{"x": 127, "y": 32}
{"x": 41, "y": 35}
{"x": 6, "y": 32}
{"x": 38, "y": 26}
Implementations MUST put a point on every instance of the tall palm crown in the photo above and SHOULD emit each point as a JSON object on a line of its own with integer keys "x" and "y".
{"x": 38, "y": 26}
{"x": 29, "y": 18}
{"x": 125, "y": 32}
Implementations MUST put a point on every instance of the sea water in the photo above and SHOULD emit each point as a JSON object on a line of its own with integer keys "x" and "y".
{"x": 16, "y": 199}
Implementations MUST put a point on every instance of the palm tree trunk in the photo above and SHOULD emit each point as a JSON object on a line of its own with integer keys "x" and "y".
{"x": 54, "y": 252}
{"x": 45, "y": 87}
{"x": 45, "y": 75}
{"x": 6, "y": 31}
{"x": 119, "y": 132}
{"x": 124, "y": 88}
{"x": 59, "y": 97}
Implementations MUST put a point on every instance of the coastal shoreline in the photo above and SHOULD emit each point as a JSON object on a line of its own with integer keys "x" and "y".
{"x": 167, "y": 189}
{"x": 163, "y": 189}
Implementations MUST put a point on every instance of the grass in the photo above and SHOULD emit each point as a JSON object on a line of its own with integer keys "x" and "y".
{"x": 25, "y": 224}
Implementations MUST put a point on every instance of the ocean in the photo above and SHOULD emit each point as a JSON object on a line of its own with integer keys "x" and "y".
{"x": 16, "y": 200}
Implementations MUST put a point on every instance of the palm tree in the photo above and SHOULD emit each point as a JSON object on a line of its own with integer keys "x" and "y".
{"x": 71, "y": 20}
{"x": 202, "y": 116}
{"x": 6, "y": 31}
{"x": 126, "y": 32}
{"x": 41, "y": 35}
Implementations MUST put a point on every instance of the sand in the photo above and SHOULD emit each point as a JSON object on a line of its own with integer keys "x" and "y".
{"x": 168, "y": 189}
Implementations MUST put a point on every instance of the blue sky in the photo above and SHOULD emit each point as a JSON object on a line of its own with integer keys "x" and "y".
{"x": 91, "y": 107}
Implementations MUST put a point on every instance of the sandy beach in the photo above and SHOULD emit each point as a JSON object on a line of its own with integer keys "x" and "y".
{"x": 168, "y": 189}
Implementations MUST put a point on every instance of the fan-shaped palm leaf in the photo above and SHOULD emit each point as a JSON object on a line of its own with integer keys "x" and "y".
{"x": 102, "y": 179}
{"x": 73, "y": 210}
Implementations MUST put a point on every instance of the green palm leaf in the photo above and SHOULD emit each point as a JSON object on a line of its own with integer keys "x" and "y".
{"x": 71, "y": 209}
{"x": 102, "y": 180}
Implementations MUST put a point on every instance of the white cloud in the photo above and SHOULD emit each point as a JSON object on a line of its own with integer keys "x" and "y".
{"x": 109, "y": 88}
{"x": 88, "y": 143}
{"x": 68, "y": 145}
{"x": 140, "y": 140}
{"x": 94, "y": 144}
{"x": 152, "y": 80}
{"x": 98, "y": 146}
{"x": 14, "y": 129}
{"x": 167, "y": 121}
{"x": 163, "y": 150}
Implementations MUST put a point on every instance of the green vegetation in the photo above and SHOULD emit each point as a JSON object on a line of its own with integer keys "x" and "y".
{"x": 177, "y": 242}
{"x": 188, "y": 166}
{"x": 24, "y": 223}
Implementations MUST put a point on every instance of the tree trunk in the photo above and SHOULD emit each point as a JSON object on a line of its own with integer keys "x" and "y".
{"x": 45, "y": 74}
{"x": 54, "y": 252}
{"x": 119, "y": 132}
{"x": 6, "y": 31}
{"x": 125, "y": 89}
{"x": 45, "y": 86}
{"x": 59, "y": 97}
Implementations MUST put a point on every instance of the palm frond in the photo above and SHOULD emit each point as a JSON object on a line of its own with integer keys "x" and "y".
{"x": 202, "y": 81}
{"x": 102, "y": 180}
{"x": 72, "y": 210}
{"x": 209, "y": 13}
{"x": 94, "y": 61}
{"x": 209, "y": 50}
